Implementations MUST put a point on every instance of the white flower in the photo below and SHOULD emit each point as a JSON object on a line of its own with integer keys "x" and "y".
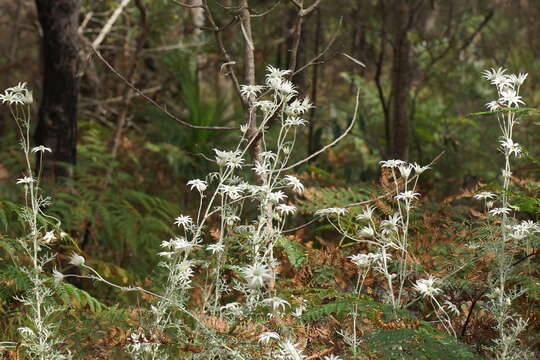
{"x": 510, "y": 97}
{"x": 299, "y": 310}
{"x": 518, "y": 80}
{"x": 295, "y": 121}
{"x": 276, "y": 303}
{"x": 76, "y": 260}
{"x": 407, "y": 195}
{"x": 529, "y": 225}
{"x": 367, "y": 214}
{"x": 58, "y": 276}
{"x": 198, "y": 184}
{"x": 361, "y": 260}
{"x": 19, "y": 88}
{"x": 524, "y": 229}
{"x": 264, "y": 105}
{"x": 256, "y": 275}
{"x": 405, "y": 170}
{"x": 26, "y": 180}
{"x": 232, "y": 308}
{"x": 166, "y": 254}
{"x": 266, "y": 336}
{"x": 391, "y": 163}
{"x": 485, "y": 195}
{"x": 49, "y": 237}
{"x": 331, "y": 211}
{"x": 418, "y": 169}
{"x": 331, "y": 357}
{"x": 451, "y": 307}
{"x": 250, "y": 90}
{"x": 367, "y": 232}
{"x": 232, "y": 159}
{"x": 12, "y": 98}
{"x": 506, "y": 173}
{"x": 183, "y": 220}
{"x": 500, "y": 211}
{"x": 261, "y": 168}
{"x": 511, "y": 147}
{"x": 379, "y": 257}
{"x": 293, "y": 182}
{"x": 232, "y": 191}
{"x": 273, "y": 72}
{"x": 180, "y": 243}
{"x": 281, "y": 85}
{"x": 17, "y": 95}
{"x": 298, "y": 107}
{"x": 286, "y": 209}
{"x": 494, "y": 76}
{"x": 41, "y": 148}
{"x": 493, "y": 105}
{"x": 276, "y": 196}
{"x": 268, "y": 155}
{"x": 426, "y": 287}
{"x": 216, "y": 248}
{"x": 244, "y": 128}
{"x": 391, "y": 224}
{"x": 289, "y": 351}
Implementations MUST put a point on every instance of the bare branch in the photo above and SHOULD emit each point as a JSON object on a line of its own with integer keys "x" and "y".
{"x": 219, "y": 39}
{"x": 188, "y": 6}
{"x": 108, "y": 25}
{"x": 297, "y": 4}
{"x": 154, "y": 103}
{"x": 92, "y": 102}
{"x": 267, "y": 11}
{"x": 249, "y": 41}
{"x": 297, "y": 32}
{"x": 306, "y": 11}
{"x": 315, "y": 60}
{"x": 358, "y": 62}
{"x": 337, "y": 140}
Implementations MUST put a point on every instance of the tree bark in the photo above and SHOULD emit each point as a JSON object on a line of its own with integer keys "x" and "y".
{"x": 57, "y": 123}
{"x": 401, "y": 46}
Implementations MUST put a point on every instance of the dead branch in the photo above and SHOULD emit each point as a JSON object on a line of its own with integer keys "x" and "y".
{"x": 333, "y": 143}
{"x": 264, "y": 13}
{"x": 297, "y": 32}
{"x": 229, "y": 62}
{"x": 154, "y": 103}
{"x": 188, "y": 6}
{"x": 109, "y": 24}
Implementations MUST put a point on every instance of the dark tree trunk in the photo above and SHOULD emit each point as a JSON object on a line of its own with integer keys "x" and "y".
{"x": 399, "y": 111}
{"x": 57, "y": 124}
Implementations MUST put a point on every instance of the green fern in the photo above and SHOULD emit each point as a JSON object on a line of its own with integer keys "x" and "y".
{"x": 424, "y": 343}
{"x": 78, "y": 298}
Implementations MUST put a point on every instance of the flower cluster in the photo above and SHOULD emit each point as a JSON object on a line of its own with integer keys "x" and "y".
{"x": 426, "y": 287}
{"x": 508, "y": 86}
{"x": 17, "y": 95}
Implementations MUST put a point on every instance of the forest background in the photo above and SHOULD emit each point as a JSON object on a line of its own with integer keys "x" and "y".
{"x": 121, "y": 87}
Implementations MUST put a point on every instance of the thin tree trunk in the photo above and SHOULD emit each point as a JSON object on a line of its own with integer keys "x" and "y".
{"x": 400, "y": 84}
{"x": 314, "y": 85}
{"x": 57, "y": 124}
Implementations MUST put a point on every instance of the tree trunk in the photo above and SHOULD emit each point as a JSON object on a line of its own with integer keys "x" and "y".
{"x": 399, "y": 148}
{"x": 57, "y": 124}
